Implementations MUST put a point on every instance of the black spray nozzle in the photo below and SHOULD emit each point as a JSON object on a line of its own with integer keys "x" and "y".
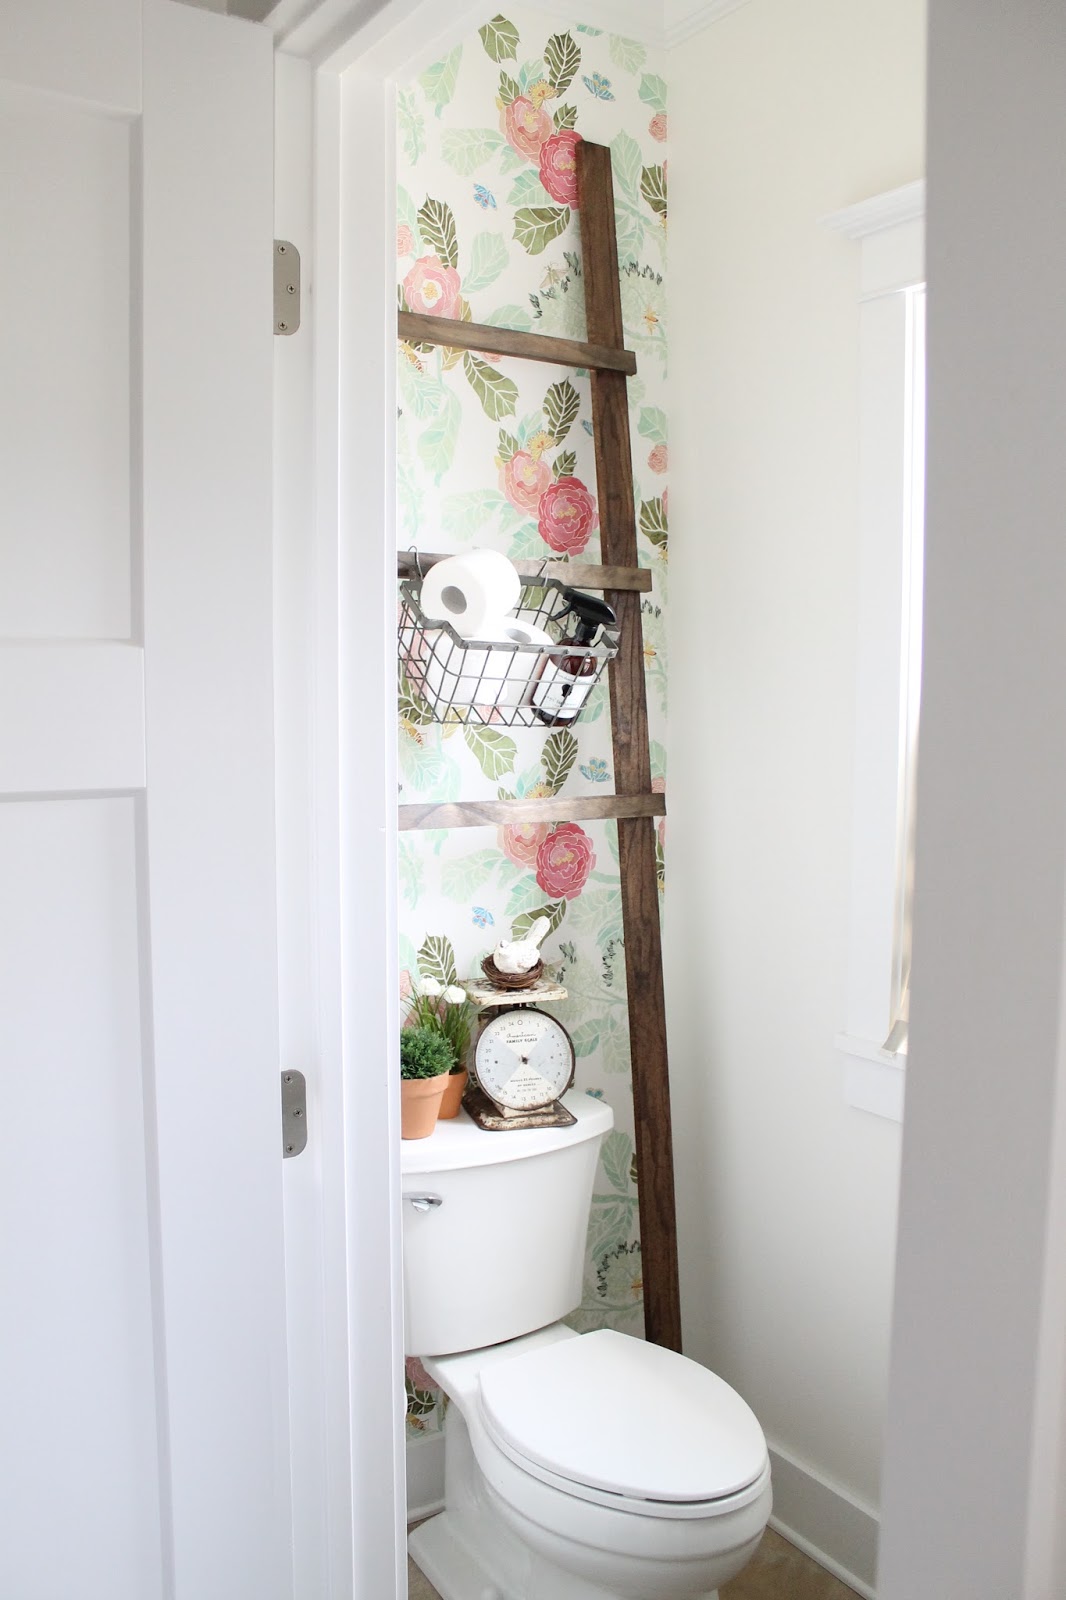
{"x": 591, "y": 613}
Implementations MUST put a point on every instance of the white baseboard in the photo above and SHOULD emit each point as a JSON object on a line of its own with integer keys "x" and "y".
{"x": 819, "y": 1518}
{"x": 425, "y": 1477}
{"x": 825, "y": 1522}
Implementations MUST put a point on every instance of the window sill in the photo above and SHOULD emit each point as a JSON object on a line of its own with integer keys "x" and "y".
{"x": 873, "y": 1078}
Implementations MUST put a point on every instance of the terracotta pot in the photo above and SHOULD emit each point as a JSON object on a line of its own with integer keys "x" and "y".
{"x": 453, "y": 1095}
{"x": 419, "y": 1103}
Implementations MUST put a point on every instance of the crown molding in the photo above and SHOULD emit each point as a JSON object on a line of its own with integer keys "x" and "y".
{"x": 683, "y": 19}
{"x": 888, "y": 210}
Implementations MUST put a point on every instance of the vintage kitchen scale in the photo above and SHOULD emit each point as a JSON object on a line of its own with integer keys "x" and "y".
{"x": 523, "y": 1059}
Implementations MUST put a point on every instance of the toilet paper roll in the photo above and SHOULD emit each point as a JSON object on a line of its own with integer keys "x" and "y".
{"x": 473, "y": 592}
{"x": 454, "y": 675}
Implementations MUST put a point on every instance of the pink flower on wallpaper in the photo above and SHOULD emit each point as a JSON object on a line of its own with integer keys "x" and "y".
{"x": 405, "y": 242}
{"x": 523, "y": 480}
{"x": 521, "y": 841}
{"x": 558, "y": 166}
{"x": 525, "y": 127}
{"x": 567, "y": 516}
{"x": 564, "y": 861}
{"x": 658, "y": 458}
{"x": 417, "y": 1374}
{"x": 432, "y": 288}
{"x": 657, "y": 126}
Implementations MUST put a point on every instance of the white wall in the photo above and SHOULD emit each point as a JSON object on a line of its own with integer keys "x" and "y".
{"x": 780, "y": 114}
{"x": 974, "y": 1492}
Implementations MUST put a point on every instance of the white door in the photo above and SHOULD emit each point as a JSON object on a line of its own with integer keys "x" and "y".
{"x": 143, "y": 1441}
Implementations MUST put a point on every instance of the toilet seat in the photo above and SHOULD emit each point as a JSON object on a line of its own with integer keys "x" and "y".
{"x": 625, "y": 1424}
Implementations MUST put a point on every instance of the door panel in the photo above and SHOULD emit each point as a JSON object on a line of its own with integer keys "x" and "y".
{"x": 65, "y": 401}
{"x": 146, "y": 1451}
{"x": 80, "y": 1425}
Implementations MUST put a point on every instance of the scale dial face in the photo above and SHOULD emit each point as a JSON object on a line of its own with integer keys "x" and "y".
{"x": 524, "y": 1059}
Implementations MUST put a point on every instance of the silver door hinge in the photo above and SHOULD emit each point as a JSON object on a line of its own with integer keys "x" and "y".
{"x": 286, "y": 286}
{"x": 293, "y": 1113}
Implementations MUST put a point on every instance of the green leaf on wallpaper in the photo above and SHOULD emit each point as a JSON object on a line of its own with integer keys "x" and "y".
{"x": 653, "y": 188}
{"x": 436, "y": 959}
{"x": 407, "y": 216}
{"x": 527, "y": 190}
{"x": 657, "y": 752}
{"x": 436, "y": 444}
{"x": 412, "y": 125}
{"x": 536, "y": 226}
{"x": 468, "y": 875}
{"x": 494, "y": 750}
{"x": 628, "y": 54}
{"x": 562, "y": 58}
{"x": 653, "y": 520}
{"x": 500, "y": 39}
{"x": 437, "y": 226}
{"x": 564, "y": 117}
{"x": 438, "y": 81}
{"x": 466, "y": 149}
{"x": 660, "y": 863}
{"x": 526, "y": 543}
{"x": 498, "y": 394}
{"x": 524, "y": 895}
{"x": 463, "y": 515}
{"x": 488, "y": 257}
{"x": 554, "y": 913}
{"x": 651, "y": 424}
{"x": 614, "y": 1046}
{"x": 510, "y": 91}
{"x": 558, "y": 757}
{"x": 529, "y": 73}
{"x": 616, "y": 1155}
{"x": 511, "y": 160}
{"x": 586, "y": 1036}
{"x": 413, "y": 708}
{"x": 507, "y": 445}
{"x": 610, "y": 1224}
{"x": 561, "y": 406}
{"x": 626, "y": 162}
{"x": 421, "y": 393}
{"x": 583, "y": 27}
{"x": 653, "y": 91}
{"x": 510, "y": 317}
{"x": 564, "y": 464}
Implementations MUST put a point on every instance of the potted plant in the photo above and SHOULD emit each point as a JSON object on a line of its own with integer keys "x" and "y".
{"x": 445, "y": 1010}
{"x": 425, "y": 1057}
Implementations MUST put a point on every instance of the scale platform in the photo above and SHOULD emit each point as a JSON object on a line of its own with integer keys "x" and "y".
{"x": 488, "y": 1115}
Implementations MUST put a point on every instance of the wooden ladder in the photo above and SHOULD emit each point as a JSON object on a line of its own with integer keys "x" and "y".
{"x": 633, "y": 806}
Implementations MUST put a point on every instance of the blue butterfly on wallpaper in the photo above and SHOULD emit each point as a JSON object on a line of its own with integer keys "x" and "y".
{"x": 598, "y": 85}
{"x": 587, "y": 425}
{"x": 484, "y": 197}
{"x": 483, "y": 918}
{"x": 596, "y": 771}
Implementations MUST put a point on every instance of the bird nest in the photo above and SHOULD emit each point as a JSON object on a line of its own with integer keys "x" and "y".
{"x": 511, "y": 980}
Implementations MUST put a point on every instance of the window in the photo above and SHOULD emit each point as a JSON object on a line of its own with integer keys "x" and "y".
{"x": 890, "y": 231}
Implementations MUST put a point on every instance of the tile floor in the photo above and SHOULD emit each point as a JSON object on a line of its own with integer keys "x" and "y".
{"x": 779, "y": 1572}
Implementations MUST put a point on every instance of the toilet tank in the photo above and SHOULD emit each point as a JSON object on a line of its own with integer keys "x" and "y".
{"x": 503, "y": 1252}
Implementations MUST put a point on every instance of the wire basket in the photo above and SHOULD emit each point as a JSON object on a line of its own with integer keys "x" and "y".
{"x": 476, "y": 681}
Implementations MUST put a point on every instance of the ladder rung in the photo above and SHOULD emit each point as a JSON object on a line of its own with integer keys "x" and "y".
{"x": 416, "y": 328}
{"x": 410, "y": 565}
{"x": 553, "y": 808}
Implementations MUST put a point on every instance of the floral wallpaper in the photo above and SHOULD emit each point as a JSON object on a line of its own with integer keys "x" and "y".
{"x": 499, "y": 453}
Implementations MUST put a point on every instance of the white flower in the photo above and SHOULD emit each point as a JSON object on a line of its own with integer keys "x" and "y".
{"x": 431, "y": 987}
{"x": 453, "y": 995}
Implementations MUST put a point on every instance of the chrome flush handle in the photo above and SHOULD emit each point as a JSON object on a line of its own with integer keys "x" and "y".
{"x": 425, "y": 1202}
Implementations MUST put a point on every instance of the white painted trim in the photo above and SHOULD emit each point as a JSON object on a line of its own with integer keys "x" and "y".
{"x": 72, "y": 715}
{"x": 825, "y": 1522}
{"x": 874, "y": 1079}
{"x": 888, "y": 210}
{"x": 683, "y": 20}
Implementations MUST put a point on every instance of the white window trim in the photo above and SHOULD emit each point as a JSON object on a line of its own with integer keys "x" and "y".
{"x": 890, "y": 229}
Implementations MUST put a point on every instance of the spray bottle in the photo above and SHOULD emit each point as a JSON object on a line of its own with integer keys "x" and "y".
{"x": 565, "y": 681}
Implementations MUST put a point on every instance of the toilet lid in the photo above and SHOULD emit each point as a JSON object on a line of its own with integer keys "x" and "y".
{"x": 610, "y": 1412}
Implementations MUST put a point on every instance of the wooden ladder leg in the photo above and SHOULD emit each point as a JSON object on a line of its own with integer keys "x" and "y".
{"x": 632, "y": 764}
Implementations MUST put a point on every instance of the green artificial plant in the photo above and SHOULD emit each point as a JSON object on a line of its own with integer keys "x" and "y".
{"x": 424, "y": 1053}
{"x": 444, "y": 1010}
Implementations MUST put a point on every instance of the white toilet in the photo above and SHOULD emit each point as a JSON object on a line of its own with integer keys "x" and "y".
{"x": 577, "y": 1466}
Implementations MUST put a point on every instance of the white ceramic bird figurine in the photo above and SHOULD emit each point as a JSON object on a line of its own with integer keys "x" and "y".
{"x": 518, "y": 955}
